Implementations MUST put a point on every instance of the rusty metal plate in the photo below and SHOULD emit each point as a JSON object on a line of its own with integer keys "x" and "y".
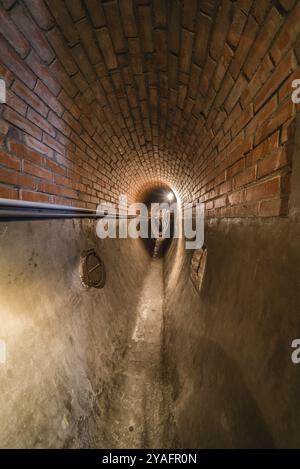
{"x": 198, "y": 267}
{"x": 92, "y": 270}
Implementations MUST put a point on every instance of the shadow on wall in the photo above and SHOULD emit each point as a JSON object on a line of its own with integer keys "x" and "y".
{"x": 219, "y": 411}
{"x": 212, "y": 404}
{"x": 228, "y": 350}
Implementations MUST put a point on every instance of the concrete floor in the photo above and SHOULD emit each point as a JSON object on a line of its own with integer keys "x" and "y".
{"x": 140, "y": 410}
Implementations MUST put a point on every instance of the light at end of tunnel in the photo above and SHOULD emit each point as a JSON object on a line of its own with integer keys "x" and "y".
{"x": 170, "y": 196}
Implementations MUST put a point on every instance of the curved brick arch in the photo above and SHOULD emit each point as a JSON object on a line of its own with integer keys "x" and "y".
{"x": 104, "y": 98}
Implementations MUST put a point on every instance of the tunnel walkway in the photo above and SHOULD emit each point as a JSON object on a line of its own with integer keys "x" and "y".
{"x": 140, "y": 410}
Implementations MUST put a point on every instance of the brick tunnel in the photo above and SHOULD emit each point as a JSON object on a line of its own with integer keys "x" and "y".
{"x": 138, "y": 98}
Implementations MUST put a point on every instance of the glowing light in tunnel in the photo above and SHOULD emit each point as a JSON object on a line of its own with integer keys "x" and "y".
{"x": 170, "y": 196}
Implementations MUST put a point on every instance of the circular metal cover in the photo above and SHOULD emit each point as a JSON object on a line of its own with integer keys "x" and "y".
{"x": 92, "y": 270}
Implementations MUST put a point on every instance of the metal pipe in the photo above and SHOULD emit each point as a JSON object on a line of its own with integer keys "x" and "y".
{"x": 19, "y": 210}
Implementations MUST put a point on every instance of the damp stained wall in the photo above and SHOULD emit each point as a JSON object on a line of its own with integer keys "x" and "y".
{"x": 228, "y": 350}
{"x": 63, "y": 343}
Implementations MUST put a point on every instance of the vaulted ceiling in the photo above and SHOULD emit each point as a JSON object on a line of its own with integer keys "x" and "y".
{"x": 144, "y": 91}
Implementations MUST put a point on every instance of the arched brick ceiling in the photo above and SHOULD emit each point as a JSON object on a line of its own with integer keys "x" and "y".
{"x": 124, "y": 94}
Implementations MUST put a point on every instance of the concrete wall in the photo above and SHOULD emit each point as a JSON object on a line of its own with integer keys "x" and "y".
{"x": 228, "y": 350}
{"x": 63, "y": 342}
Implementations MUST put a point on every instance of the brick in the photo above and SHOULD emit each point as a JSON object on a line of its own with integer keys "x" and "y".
{"x": 174, "y": 26}
{"x": 16, "y": 103}
{"x": 235, "y": 93}
{"x": 222, "y": 67}
{"x": 56, "y": 39}
{"x": 284, "y": 113}
{"x": 83, "y": 63}
{"x": 57, "y": 70}
{"x": 220, "y": 201}
{"x": 112, "y": 14}
{"x": 281, "y": 72}
{"x": 32, "y": 33}
{"x": 49, "y": 99}
{"x": 51, "y": 188}
{"x": 40, "y": 122}
{"x": 17, "y": 179}
{"x": 10, "y": 161}
{"x": 88, "y": 40}
{"x": 244, "y": 46}
{"x": 207, "y": 76}
{"x": 233, "y": 117}
{"x": 273, "y": 162}
{"x": 22, "y": 151}
{"x": 273, "y": 208}
{"x": 6, "y": 75}
{"x": 106, "y": 47}
{"x": 244, "y": 119}
{"x": 12, "y": 34}
{"x": 8, "y": 193}
{"x": 235, "y": 169}
{"x": 54, "y": 144}
{"x": 38, "y": 146}
{"x": 263, "y": 42}
{"x": 76, "y": 9}
{"x": 63, "y": 18}
{"x": 160, "y": 13}
{"x": 59, "y": 124}
{"x": 189, "y": 12}
{"x": 265, "y": 148}
{"x": 42, "y": 71}
{"x": 34, "y": 196}
{"x": 73, "y": 123}
{"x": 221, "y": 28}
{"x": 144, "y": 15}
{"x": 37, "y": 171}
{"x": 29, "y": 97}
{"x": 186, "y": 50}
{"x": 96, "y": 12}
{"x": 160, "y": 102}
{"x": 225, "y": 89}
{"x": 287, "y": 35}
{"x": 237, "y": 25}
{"x": 236, "y": 198}
{"x": 14, "y": 63}
{"x": 244, "y": 178}
{"x": 225, "y": 187}
{"x": 262, "y": 116}
{"x": 4, "y": 127}
{"x": 19, "y": 121}
{"x": 264, "y": 190}
{"x": 257, "y": 81}
{"x": 204, "y": 25}
{"x": 40, "y": 13}
{"x": 288, "y": 132}
{"x": 62, "y": 180}
{"x": 56, "y": 168}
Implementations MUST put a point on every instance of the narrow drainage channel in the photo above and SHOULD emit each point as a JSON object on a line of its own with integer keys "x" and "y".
{"x": 138, "y": 416}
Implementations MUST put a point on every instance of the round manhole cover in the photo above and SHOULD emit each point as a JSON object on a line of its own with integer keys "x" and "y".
{"x": 92, "y": 270}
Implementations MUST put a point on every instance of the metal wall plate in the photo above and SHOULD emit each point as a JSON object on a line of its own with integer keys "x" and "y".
{"x": 92, "y": 270}
{"x": 198, "y": 267}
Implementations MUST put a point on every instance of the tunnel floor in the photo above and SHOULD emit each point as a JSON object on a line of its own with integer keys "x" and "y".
{"x": 139, "y": 416}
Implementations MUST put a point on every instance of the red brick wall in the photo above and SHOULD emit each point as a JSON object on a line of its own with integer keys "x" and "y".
{"x": 109, "y": 98}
